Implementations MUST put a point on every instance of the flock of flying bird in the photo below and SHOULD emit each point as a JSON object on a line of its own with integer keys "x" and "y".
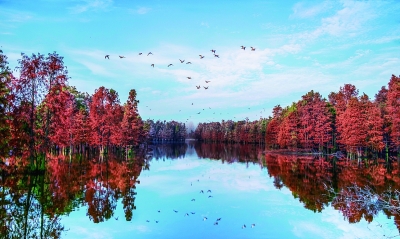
{"x": 188, "y": 62}
{"x": 182, "y": 61}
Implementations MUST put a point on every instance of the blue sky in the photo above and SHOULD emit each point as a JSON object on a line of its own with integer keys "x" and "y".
{"x": 300, "y": 46}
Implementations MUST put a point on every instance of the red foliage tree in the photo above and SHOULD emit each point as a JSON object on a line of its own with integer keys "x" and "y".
{"x": 60, "y": 102}
{"x": 375, "y": 127}
{"x": 105, "y": 116}
{"x": 131, "y": 125}
{"x": 339, "y": 101}
{"x": 315, "y": 121}
{"x": 271, "y": 136}
{"x": 5, "y": 103}
{"x": 393, "y": 107}
{"x": 30, "y": 89}
{"x": 81, "y": 129}
{"x": 37, "y": 76}
{"x": 289, "y": 131}
{"x": 353, "y": 129}
{"x": 381, "y": 103}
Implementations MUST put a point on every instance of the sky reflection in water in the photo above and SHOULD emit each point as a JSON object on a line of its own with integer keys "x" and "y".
{"x": 242, "y": 193}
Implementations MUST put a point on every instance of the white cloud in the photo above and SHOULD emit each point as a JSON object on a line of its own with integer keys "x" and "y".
{"x": 301, "y": 11}
{"x": 143, "y": 10}
{"x": 92, "y": 5}
{"x": 95, "y": 233}
{"x": 310, "y": 230}
{"x": 9, "y": 17}
{"x": 139, "y": 10}
{"x": 96, "y": 69}
{"x": 350, "y": 19}
{"x": 204, "y": 24}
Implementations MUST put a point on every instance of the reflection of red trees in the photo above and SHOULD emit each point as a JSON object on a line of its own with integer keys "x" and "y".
{"x": 306, "y": 177}
{"x": 228, "y": 152}
{"x": 102, "y": 184}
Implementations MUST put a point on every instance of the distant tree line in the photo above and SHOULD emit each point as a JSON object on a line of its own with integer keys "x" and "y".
{"x": 345, "y": 121}
{"x": 245, "y": 131}
{"x": 163, "y": 131}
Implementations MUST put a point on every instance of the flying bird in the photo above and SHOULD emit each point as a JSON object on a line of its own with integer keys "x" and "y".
{"x": 244, "y": 226}
{"x": 252, "y": 48}
{"x": 253, "y": 225}
{"x": 209, "y": 191}
{"x": 198, "y": 87}
{"x": 181, "y": 60}
{"x": 175, "y": 211}
{"x": 198, "y": 113}
{"x": 187, "y": 214}
{"x": 243, "y": 47}
{"x": 189, "y": 77}
{"x": 216, "y": 55}
{"x": 204, "y": 218}
{"x": 201, "y": 191}
{"x": 170, "y": 65}
{"x": 140, "y": 53}
{"x": 193, "y": 200}
{"x": 218, "y": 219}
{"x": 215, "y": 223}
{"x": 205, "y": 87}
{"x": 213, "y": 51}
{"x": 201, "y": 56}
{"x": 149, "y": 53}
{"x": 188, "y": 62}
{"x": 107, "y": 57}
{"x": 121, "y": 57}
{"x": 152, "y": 65}
{"x": 210, "y": 196}
{"x": 207, "y": 81}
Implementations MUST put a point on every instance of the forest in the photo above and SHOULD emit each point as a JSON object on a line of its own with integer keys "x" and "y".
{"x": 40, "y": 113}
{"x": 346, "y": 121}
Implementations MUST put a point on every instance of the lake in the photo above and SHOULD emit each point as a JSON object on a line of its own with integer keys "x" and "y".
{"x": 197, "y": 190}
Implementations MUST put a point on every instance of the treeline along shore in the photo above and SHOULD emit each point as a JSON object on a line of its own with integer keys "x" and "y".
{"x": 41, "y": 113}
{"x": 346, "y": 121}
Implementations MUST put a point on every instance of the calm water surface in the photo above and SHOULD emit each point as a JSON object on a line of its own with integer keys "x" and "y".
{"x": 284, "y": 196}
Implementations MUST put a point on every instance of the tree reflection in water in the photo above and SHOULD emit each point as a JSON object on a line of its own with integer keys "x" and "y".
{"x": 357, "y": 189}
{"x": 31, "y": 205}
{"x": 230, "y": 153}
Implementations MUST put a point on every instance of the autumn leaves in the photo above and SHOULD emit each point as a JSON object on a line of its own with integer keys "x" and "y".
{"x": 43, "y": 113}
{"x": 346, "y": 121}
